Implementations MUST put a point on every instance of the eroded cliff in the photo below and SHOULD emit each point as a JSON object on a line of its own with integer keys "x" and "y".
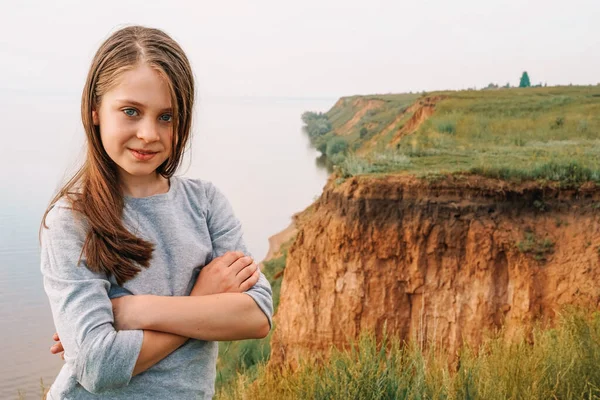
{"x": 435, "y": 261}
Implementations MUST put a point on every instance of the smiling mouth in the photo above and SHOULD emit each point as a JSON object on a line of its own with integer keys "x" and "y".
{"x": 142, "y": 154}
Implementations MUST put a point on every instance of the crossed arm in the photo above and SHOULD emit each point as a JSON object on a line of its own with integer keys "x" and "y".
{"x": 106, "y": 344}
{"x": 217, "y": 309}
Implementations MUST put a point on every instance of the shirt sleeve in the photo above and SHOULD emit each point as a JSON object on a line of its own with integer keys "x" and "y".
{"x": 227, "y": 235}
{"x": 101, "y": 357}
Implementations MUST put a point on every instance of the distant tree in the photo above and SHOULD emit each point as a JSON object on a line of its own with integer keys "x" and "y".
{"x": 490, "y": 86}
{"x": 507, "y": 86}
{"x": 525, "y": 80}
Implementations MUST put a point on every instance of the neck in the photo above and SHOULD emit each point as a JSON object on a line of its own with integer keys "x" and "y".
{"x": 143, "y": 186}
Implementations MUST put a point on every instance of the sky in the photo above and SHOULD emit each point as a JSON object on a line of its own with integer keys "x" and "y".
{"x": 313, "y": 48}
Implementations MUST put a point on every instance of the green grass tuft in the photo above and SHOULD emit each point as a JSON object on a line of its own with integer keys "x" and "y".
{"x": 551, "y": 363}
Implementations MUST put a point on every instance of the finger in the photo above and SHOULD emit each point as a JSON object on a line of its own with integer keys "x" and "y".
{"x": 231, "y": 256}
{"x": 57, "y": 348}
{"x": 62, "y": 356}
{"x": 246, "y": 272}
{"x": 248, "y": 283}
{"x": 55, "y": 337}
{"x": 240, "y": 264}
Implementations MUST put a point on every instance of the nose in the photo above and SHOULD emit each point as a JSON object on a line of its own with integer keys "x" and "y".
{"x": 148, "y": 132}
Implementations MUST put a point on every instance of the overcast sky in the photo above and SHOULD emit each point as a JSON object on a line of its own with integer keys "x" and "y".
{"x": 314, "y": 48}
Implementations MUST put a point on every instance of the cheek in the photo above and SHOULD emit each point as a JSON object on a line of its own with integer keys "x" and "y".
{"x": 169, "y": 140}
{"x": 113, "y": 134}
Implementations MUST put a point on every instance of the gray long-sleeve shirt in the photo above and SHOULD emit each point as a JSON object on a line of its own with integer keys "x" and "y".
{"x": 190, "y": 225}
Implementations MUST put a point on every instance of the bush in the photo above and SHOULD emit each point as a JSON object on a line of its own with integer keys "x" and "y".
{"x": 354, "y": 165}
{"x": 336, "y": 145}
{"x": 320, "y": 144}
{"x": 337, "y": 158}
{"x": 317, "y": 124}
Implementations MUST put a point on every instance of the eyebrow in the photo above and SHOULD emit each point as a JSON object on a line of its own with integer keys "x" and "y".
{"x": 138, "y": 104}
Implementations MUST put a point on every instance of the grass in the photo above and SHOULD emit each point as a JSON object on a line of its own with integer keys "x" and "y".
{"x": 548, "y": 134}
{"x": 373, "y": 120}
{"x": 21, "y": 395}
{"x": 550, "y": 363}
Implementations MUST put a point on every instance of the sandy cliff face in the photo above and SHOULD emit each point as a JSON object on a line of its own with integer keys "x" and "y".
{"x": 435, "y": 261}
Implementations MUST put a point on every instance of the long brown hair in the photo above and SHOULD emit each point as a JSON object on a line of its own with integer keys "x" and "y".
{"x": 94, "y": 189}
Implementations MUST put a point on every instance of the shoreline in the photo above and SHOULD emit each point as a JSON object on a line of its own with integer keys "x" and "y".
{"x": 278, "y": 239}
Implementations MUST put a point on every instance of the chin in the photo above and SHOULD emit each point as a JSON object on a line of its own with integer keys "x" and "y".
{"x": 138, "y": 170}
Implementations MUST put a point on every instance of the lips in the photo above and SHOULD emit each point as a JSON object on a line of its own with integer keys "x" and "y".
{"x": 142, "y": 151}
{"x": 142, "y": 155}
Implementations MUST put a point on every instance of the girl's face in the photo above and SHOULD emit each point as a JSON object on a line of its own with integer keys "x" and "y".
{"x": 135, "y": 120}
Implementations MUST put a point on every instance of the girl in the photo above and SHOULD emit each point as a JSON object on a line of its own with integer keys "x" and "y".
{"x": 144, "y": 270}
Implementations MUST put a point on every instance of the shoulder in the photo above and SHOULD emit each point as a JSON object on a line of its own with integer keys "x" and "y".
{"x": 203, "y": 190}
{"x": 62, "y": 241}
{"x": 63, "y": 220}
{"x": 206, "y": 196}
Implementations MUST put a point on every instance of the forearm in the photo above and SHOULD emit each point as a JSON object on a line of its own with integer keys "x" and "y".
{"x": 224, "y": 316}
{"x": 155, "y": 347}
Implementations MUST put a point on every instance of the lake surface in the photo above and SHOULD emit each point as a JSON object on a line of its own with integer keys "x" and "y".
{"x": 253, "y": 149}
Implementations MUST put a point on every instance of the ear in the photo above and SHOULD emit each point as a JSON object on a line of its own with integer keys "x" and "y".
{"x": 95, "y": 118}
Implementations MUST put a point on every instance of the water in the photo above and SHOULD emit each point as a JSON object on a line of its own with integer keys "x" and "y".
{"x": 252, "y": 149}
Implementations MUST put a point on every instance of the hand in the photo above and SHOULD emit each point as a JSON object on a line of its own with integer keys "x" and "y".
{"x": 57, "y": 347}
{"x": 232, "y": 272}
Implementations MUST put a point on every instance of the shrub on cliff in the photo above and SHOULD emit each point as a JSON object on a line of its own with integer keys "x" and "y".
{"x": 335, "y": 146}
{"x": 316, "y": 124}
{"x": 354, "y": 165}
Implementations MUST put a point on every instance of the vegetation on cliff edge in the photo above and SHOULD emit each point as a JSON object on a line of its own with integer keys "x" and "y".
{"x": 551, "y": 363}
{"x": 542, "y": 133}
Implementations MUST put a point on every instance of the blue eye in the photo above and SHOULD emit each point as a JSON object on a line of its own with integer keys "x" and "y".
{"x": 130, "y": 112}
{"x": 169, "y": 117}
